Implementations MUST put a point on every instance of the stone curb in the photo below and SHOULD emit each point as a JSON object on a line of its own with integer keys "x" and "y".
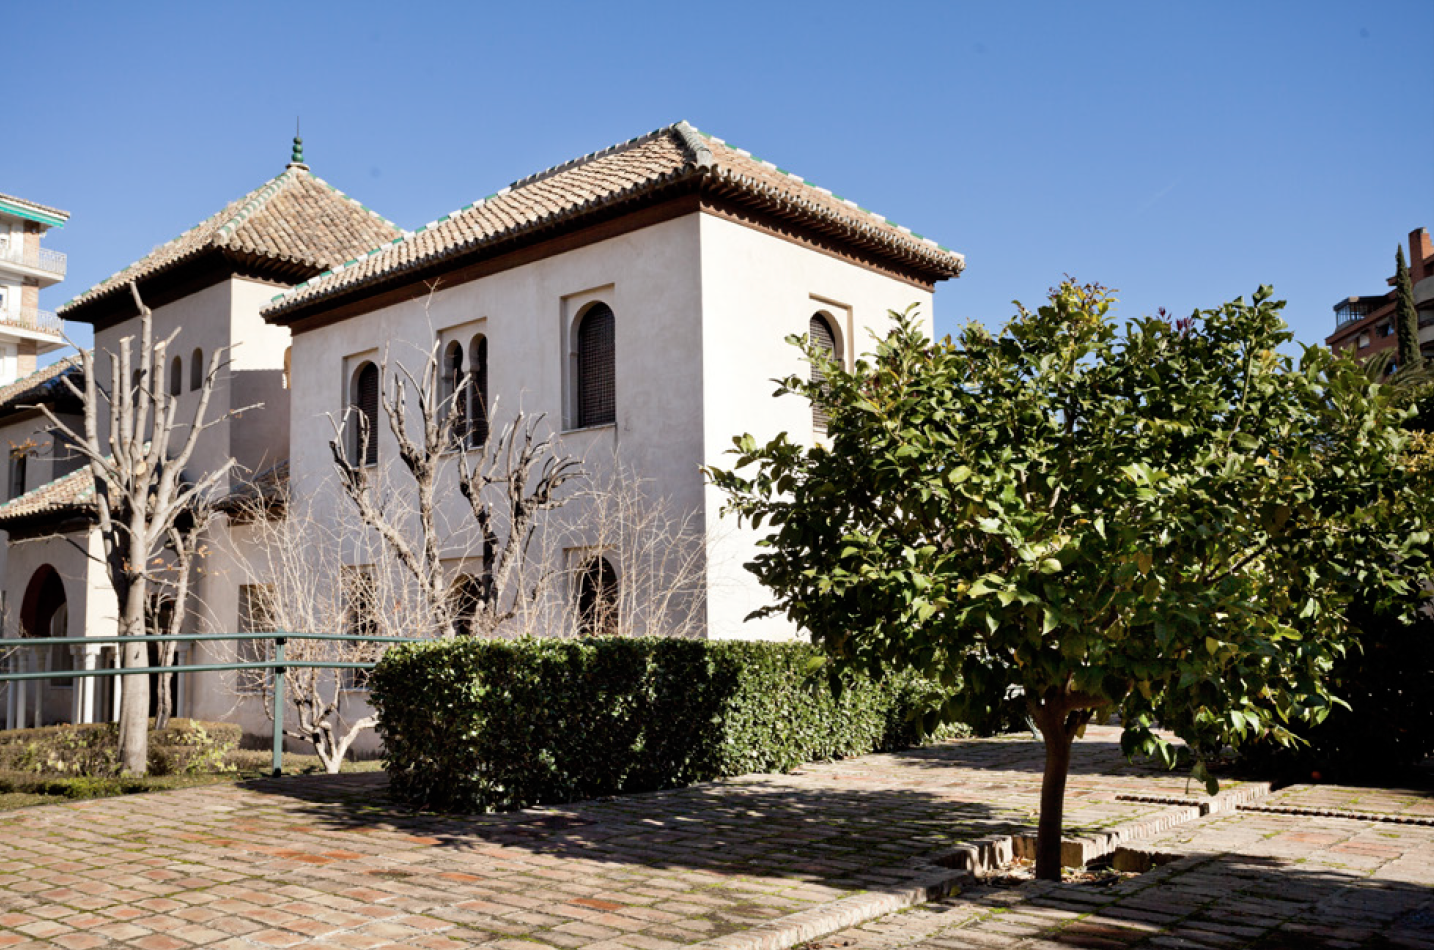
{"x": 787, "y": 931}
{"x": 1336, "y": 814}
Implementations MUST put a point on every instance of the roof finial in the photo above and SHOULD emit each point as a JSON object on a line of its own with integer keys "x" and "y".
{"x": 297, "y": 157}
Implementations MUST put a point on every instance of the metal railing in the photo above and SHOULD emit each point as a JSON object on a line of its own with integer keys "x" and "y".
{"x": 40, "y": 259}
{"x": 279, "y": 664}
{"x": 38, "y": 320}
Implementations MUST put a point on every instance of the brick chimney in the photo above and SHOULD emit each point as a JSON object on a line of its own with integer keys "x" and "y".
{"x": 1420, "y": 251}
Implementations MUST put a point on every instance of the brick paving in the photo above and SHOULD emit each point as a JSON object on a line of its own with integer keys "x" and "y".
{"x": 1242, "y": 879}
{"x": 316, "y": 862}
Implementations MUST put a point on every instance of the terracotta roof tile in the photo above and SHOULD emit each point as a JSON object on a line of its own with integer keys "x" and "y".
{"x": 292, "y": 217}
{"x": 603, "y": 178}
{"x": 69, "y": 493}
{"x": 38, "y": 386}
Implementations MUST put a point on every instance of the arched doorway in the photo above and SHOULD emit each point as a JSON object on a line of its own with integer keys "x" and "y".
{"x": 44, "y": 613}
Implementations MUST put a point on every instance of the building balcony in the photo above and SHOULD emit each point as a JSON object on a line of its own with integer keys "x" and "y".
{"x": 35, "y": 319}
{"x": 44, "y": 260}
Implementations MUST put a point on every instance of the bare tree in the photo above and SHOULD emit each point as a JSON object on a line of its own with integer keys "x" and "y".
{"x": 296, "y": 556}
{"x": 186, "y": 543}
{"x": 138, "y": 451}
{"x": 514, "y": 478}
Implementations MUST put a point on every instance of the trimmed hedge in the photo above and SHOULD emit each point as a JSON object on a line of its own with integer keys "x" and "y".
{"x": 479, "y": 725}
{"x": 92, "y": 750}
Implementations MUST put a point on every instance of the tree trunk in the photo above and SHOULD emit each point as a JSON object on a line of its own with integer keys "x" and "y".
{"x": 134, "y": 705}
{"x": 1058, "y": 739}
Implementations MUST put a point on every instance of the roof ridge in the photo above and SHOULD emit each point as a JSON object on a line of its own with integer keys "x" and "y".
{"x": 593, "y": 156}
{"x": 257, "y": 199}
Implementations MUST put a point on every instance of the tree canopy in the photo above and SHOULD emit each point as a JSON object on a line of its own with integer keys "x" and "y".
{"x": 1165, "y": 519}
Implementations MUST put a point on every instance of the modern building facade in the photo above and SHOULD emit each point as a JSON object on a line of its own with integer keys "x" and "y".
{"x": 1365, "y": 324}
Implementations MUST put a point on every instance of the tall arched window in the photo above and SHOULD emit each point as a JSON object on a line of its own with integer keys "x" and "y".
{"x": 821, "y": 336}
{"x": 597, "y": 598}
{"x": 596, "y": 358}
{"x": 196, "y": 369}
{"x": 478, "y": 394}
{"x": 363, "y": 415}
{"x": 176, "y": 377}
{"x": 452, "y": 380}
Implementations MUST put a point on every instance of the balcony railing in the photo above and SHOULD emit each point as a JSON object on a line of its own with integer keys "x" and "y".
{"x": 41, "y": 259}
{"x": 32, "y": 318}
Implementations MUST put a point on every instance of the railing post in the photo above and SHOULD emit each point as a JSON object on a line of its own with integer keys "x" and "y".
{"x": 279, "y": 707}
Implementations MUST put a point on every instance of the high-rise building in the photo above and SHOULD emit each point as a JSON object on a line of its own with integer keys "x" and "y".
{"x": 27, "y": 331}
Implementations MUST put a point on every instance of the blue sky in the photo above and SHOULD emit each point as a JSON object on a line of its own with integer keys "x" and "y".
{"x": 1183, "y": 153}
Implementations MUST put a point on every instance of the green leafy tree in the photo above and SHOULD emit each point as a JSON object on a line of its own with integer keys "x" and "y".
{"x": 1165, "y": 521}
{"x": 1406, "y": 316}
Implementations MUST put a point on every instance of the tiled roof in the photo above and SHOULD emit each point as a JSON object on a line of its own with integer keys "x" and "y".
{"x": 625, "y": 171}
{"x": 38, "y": 386}
{"x": 69, "y": 493}
{"x": 294, "y": 217}
{"x": 24, "y": 205}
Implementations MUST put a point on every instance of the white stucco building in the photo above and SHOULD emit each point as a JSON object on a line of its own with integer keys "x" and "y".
{"x": 639, "y": 297}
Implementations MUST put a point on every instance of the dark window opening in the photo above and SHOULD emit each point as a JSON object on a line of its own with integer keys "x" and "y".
{"x": 597, "y": 598}
{"x": 821, "y": 336}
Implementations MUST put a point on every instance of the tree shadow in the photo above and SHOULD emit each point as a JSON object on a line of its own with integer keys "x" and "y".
{"x": 766, "y": 826}
{"x": 1204, "y": 900}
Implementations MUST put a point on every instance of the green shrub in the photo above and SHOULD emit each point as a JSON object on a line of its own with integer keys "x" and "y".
{"x": 91, "y": 750}
{"x": 472, "y": 725}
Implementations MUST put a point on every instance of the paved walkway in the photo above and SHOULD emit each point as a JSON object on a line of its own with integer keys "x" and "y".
{"x": 327, "y": 863}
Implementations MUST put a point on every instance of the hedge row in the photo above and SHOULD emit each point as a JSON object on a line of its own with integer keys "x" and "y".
{"x": 92, "y": 750}
{"x": 478, "y": 725}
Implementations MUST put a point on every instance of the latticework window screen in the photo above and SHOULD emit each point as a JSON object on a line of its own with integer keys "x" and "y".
{"x": 597, "y": 384}
{"x": 478, "y": 358}
{"x": 820, "y": 334}
{"x": 365, "y": 416}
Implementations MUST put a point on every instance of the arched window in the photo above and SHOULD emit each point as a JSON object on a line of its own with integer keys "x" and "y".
{"x": 821, "y": 336}
{"x": 176, "y": 377}
{"x": 596, "y": 378}
{"x": 478, "y": 392}
{"x": 363, "y": 416}
{"x": 597, "y": 598}
{"x": 196, "y": 369}
{"x": 453, "y": 379}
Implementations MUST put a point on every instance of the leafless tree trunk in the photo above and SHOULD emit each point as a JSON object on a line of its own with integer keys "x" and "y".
{"x": 516, "y": 477}
{"x": 186, "y": 544}
{"x": 138, "y": 462}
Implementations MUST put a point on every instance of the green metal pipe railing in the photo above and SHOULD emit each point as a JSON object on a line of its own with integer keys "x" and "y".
{"x": 279, "y": 665}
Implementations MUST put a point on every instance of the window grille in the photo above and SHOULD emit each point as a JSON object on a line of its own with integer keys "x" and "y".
{"x": 255, "y": 615}
{"x": 365, "y": 415}
{"x": 360, "y": 618}
{"x": 819, "y": 333}
{"x": 478, "y": 360}
{"x": 597, "y": 384}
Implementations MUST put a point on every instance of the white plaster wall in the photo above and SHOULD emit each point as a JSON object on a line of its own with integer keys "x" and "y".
{"x": 650, "y": 279}
{"x": 756, "y": 290}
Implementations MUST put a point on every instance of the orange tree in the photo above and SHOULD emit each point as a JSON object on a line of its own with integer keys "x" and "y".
{"x": 1167, "y": 520}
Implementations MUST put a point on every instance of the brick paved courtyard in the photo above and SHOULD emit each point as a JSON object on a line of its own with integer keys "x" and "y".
{"x": 326, "y": 863}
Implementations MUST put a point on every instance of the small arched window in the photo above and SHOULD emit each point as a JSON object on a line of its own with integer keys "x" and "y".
{"x": 363, "y": 416}
{"x": 478, "y": 392}
{"x": 176, "y": 377}
{"x": 597, "y": 598}
{"x": 596, "y": 359}
{"x": 196, "y": 369}
{"x": 822, "y": 337}
{"x": 452, "y": 394}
